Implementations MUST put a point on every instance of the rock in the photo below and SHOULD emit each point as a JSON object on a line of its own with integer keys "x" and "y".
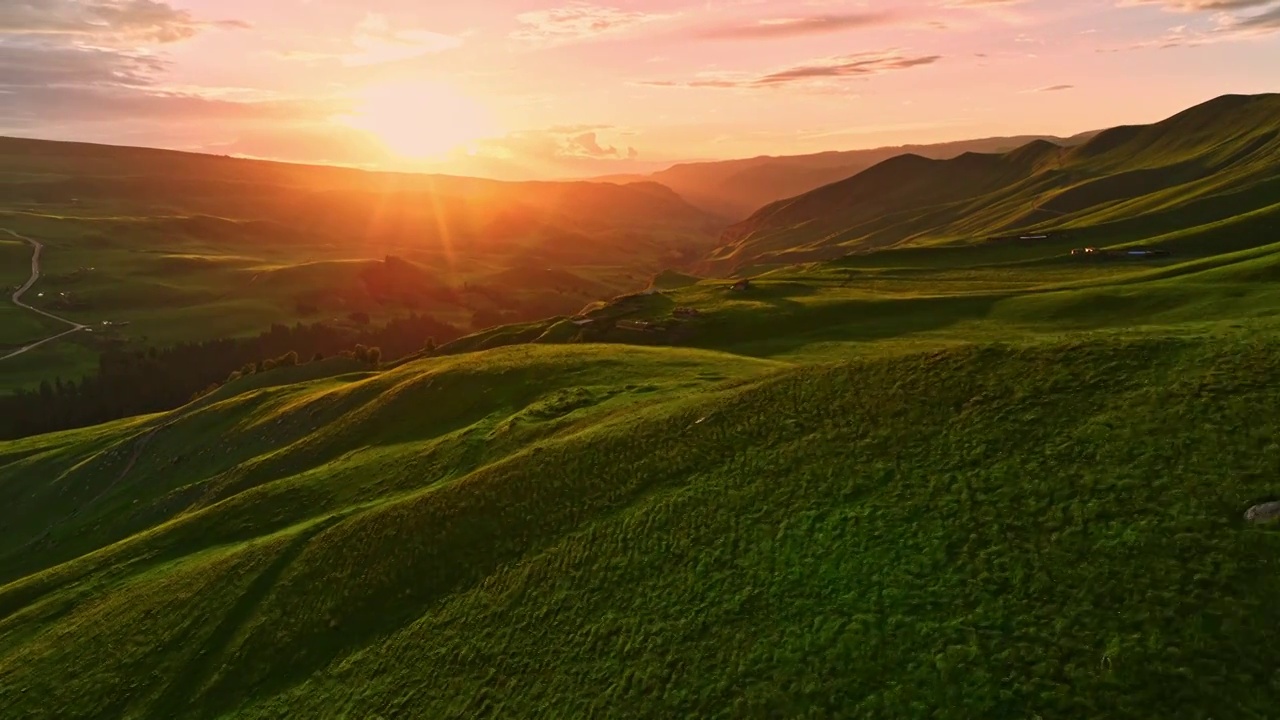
{"x": 1264, "y": 513}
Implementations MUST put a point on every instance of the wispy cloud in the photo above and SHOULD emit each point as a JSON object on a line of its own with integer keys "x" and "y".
{"x": 1006, "y": 11}
{"x": 40, "y": 65}
{"x": 1224, "y": 27}
{"x": 981, "y": 3}
{"x": 1230, "y": 20}
{"x": 101, "y": 44}
{"x": 104, "y": 21}
{"x": 823, "y": 69}
{"x": 587, "y": 145}
{"x": 797, "y": 26}
{"x": 94, "y": 61}
{"x": 378, "y": 40}
{"x": 579, "y": 21}
{"x": 1187, "y": 6}
{"x": 574, "y": 151}
{"x": 1051, "y": 88}
{"x": 1266, "y": 22}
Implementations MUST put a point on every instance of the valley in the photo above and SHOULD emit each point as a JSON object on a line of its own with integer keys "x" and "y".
{"x": 155, "y": 248}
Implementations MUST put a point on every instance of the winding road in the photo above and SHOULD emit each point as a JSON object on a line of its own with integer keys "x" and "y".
{"x": 37, "y": 248}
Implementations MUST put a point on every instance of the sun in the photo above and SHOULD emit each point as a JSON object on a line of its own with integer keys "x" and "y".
{"x": 420, "y": 120}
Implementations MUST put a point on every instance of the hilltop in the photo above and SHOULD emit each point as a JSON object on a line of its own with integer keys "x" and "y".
{"x": 737, "y": 188}
{"x": 374, "y": 207}
{"x": 1208, "y": 163}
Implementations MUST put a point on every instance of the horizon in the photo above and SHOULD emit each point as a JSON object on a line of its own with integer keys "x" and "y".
{"x": 571, "y": 90}
{"x": 568, "y": 178}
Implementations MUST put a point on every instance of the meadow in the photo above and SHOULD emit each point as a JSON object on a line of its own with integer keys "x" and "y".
{"x": 942, "y": 479}
{"x": 155, "y": 248}
{"x": 994, "y": 490}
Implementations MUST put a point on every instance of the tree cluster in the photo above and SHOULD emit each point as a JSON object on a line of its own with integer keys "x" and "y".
{"x": 132, "y": 382}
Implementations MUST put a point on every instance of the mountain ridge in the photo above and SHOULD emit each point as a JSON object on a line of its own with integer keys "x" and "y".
{"x": 1123, "y": 164}
{"x": 736, "y": 188}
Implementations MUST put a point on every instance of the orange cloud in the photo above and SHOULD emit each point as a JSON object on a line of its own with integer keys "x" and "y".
{"x": 797, "y": 26}
{"x": 578, "y": 21}
{"x": 823, "y": 69}
{"x": 104, "y": 21}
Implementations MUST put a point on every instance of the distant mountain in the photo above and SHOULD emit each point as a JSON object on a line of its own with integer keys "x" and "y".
{"x": 1212, "y": 161}
{"x": 544, "y": 220}
{"x": 199, "y": 247}
{"x": 736, "y": 188}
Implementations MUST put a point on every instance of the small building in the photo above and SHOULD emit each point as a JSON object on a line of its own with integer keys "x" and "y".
{"x": 686, "y": 312}
{"x": 741, "y": 286}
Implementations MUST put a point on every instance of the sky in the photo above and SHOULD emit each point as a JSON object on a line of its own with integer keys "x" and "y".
{"x": 522, "y": 89}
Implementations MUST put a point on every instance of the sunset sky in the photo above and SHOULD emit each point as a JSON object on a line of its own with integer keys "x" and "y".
{"x": 559, "y": 88}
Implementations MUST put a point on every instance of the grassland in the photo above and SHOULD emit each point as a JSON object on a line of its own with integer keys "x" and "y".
{"x": 953, "y": 480}
{"x": 170, "y": 247}
{"x": 883, "y": 486}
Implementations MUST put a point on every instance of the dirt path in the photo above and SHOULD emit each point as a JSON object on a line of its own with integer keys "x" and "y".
{"x": 37, "y": 248}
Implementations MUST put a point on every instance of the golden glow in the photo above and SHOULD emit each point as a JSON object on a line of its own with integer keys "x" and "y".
{"x": 420, "y": 120}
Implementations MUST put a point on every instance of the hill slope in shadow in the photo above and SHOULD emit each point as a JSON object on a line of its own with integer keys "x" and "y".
{"x": 1222, "y": 152}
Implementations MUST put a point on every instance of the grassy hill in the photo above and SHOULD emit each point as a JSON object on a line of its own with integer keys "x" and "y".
{"x": 1211, "y": 162}
{"x": 964, "y": 533}
{"x": 942, "y": 482}
{"x": 737, "y": 188}
{"x": 184, "y": 247}
{"x": 941, "y": 479}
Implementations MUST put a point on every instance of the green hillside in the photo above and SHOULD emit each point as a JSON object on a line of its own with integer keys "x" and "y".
{"x": 939, "y": 479}
{"x": 1216, "y": 161}
{"x": 968, "y": 490}
{"x": 166, "y": 247}
{"x": 541, "y": 531}
{"x": 737, "y": 188}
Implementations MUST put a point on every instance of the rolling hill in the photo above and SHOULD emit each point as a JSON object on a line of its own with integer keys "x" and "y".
{"x": 938, "y": 478}
{"x": 737, "y": 188}
{"x": 1040, "y": 518}
{"x": 1208, "y": 163}
{"x": 433, "y": 211}
{"x": 165, "y": 247}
